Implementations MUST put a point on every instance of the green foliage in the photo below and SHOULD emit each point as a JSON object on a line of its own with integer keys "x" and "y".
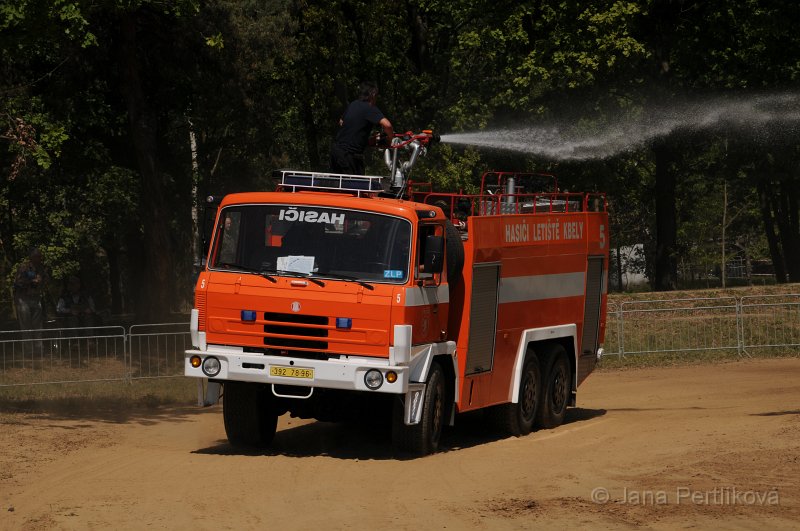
{"x": 262, "y": 84}
{"x": 455, "y": 171}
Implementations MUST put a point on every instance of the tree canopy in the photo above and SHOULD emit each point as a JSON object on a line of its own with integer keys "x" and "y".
{"x": 116, "y": 116}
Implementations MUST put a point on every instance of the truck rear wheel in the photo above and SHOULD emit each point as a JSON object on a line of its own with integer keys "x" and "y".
{"x": 556, "y": 389}
{"x": 423, "y": 438}
{"x": 518, "y": 419}
{"x": 249, "y": 415}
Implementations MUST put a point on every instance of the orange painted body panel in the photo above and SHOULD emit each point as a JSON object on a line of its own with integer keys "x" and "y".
{"x": 230, "y": 293}
{"x": 553, "y": 247}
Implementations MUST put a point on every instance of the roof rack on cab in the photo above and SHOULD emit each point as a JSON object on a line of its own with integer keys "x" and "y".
{"x": 359, "y": 185}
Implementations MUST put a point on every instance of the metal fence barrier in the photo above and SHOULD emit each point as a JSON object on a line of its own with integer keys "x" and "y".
{"x": 62, "y": 355}
{"x": 72, "y": 355}
{"x": 769, "y": 321}
{"x": 745, "y": 325}
{"x": 156, "y": 350}
{"x": 679, "y": 325}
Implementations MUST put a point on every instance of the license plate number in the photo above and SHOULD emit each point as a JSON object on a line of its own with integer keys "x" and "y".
{"x": 291, "y": 372}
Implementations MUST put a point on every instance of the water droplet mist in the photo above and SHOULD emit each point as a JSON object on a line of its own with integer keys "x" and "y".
{"x": 574, "y": 140}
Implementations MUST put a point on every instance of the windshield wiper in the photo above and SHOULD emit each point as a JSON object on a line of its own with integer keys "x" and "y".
{"x": 261, "y": 272}
{"x": 298, "y": 274}
{"x": 348, "y": 278}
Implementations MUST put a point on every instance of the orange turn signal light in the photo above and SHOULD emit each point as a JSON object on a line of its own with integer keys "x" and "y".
{"x": 195, "y": 361}
{"x": 391, "y": 377}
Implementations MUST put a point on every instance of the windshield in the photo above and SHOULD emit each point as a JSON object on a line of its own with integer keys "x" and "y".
{"x": 317, "y": 241}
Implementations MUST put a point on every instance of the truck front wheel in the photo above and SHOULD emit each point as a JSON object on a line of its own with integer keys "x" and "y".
{"x": 249, "y": 414}
{"x": 423, "y": 438}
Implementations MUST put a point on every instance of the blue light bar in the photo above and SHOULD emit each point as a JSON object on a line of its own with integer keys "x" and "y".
{"x": 248, "y": 316}
{"x": 344, "y": 323}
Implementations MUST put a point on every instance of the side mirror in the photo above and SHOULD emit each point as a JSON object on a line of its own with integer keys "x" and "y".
{"x": 434, "y": 254}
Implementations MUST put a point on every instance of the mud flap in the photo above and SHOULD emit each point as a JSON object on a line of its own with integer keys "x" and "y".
{"x": 415, "y": 398}
{"x": 212, "y": 394}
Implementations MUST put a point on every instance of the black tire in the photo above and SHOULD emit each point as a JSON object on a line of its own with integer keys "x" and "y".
{"x": 423, "y": 438}
{"x": 556, "y": 389}
{"x": 249, "y": 414}
{"x": 518, "y": 419}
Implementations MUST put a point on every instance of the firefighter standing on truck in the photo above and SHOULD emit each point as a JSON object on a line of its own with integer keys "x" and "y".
{"x": 356, "y": 124}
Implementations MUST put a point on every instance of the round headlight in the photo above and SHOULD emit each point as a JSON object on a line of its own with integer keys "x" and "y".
{"x": 373, "y": 379}
{"x": 211, "y": 366}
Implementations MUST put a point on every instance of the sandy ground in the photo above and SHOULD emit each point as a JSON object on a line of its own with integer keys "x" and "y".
{"x": 696, "y": 446}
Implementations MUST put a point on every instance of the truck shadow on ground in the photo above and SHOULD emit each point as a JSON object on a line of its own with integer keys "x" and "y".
{"x": 777, "y": 413}
{"x": 373, "y": 441}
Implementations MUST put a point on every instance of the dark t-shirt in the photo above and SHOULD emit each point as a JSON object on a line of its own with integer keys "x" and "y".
{"x": 357, "y": 122}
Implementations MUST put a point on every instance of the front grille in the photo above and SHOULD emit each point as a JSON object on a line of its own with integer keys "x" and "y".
{"x": 291, "y": 324}
{"x": 295, "y": 331}
{"x": 296, "y": 318}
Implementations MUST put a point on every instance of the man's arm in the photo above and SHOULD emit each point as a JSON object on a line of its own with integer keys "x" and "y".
{"x": 386, "y": 125}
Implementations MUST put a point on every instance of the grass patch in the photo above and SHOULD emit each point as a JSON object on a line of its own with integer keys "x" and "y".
{"x": 83, "y": 396}
{"x": 741, "y": 291}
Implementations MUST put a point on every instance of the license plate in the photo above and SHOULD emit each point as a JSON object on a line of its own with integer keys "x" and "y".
{"x": 291, "y": 372}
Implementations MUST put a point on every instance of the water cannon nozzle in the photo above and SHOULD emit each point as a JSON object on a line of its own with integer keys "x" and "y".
{"x": 430, "y": 137}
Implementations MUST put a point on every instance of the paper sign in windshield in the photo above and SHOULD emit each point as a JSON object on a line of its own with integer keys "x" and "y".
{"x": 297, "y": 264}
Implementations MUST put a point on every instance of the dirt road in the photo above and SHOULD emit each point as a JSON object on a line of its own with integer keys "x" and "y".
{"x": 697, "y": 446}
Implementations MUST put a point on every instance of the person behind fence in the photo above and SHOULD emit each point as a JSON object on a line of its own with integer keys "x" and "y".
{"x": 76, "y": 306}
{"x": 30, "y": 283}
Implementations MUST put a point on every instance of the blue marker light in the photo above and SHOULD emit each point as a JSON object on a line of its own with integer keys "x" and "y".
{"x": 344, "y": 323}
{"x": 248, "y": 316}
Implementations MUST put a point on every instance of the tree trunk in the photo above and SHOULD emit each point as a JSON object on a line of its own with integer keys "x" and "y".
{"x": 112, "y": 253}
{"x": 789, "y": 230}
{"x": 769, "y": 230}
{"x": 310, "y": 129}
{"x": 417, "y": 50}
{"x": 156, "y": 259}
{"x": 135, "y": 300}
{"x": 196, "y": 245}
{"x": 666, "y": 270}
{"x": 724, "y": 226}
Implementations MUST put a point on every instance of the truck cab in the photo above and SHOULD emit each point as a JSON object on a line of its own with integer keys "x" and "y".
{"x": 320, "y": 290}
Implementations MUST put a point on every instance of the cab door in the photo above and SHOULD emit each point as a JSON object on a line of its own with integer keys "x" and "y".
{"x": 429, "y": 296}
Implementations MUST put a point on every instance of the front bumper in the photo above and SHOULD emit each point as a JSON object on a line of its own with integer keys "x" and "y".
{"x": 345, "y": 373}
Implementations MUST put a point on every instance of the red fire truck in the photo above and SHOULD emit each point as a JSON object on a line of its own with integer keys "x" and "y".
{"x": 339, "y": 296}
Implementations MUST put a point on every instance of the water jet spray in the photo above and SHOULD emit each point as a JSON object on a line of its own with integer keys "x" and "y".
{"x": 566, "y": 141}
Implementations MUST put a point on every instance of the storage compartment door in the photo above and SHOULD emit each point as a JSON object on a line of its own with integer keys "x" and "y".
{"x": 591, "y": 317}
{"x": 482, "y": 318}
